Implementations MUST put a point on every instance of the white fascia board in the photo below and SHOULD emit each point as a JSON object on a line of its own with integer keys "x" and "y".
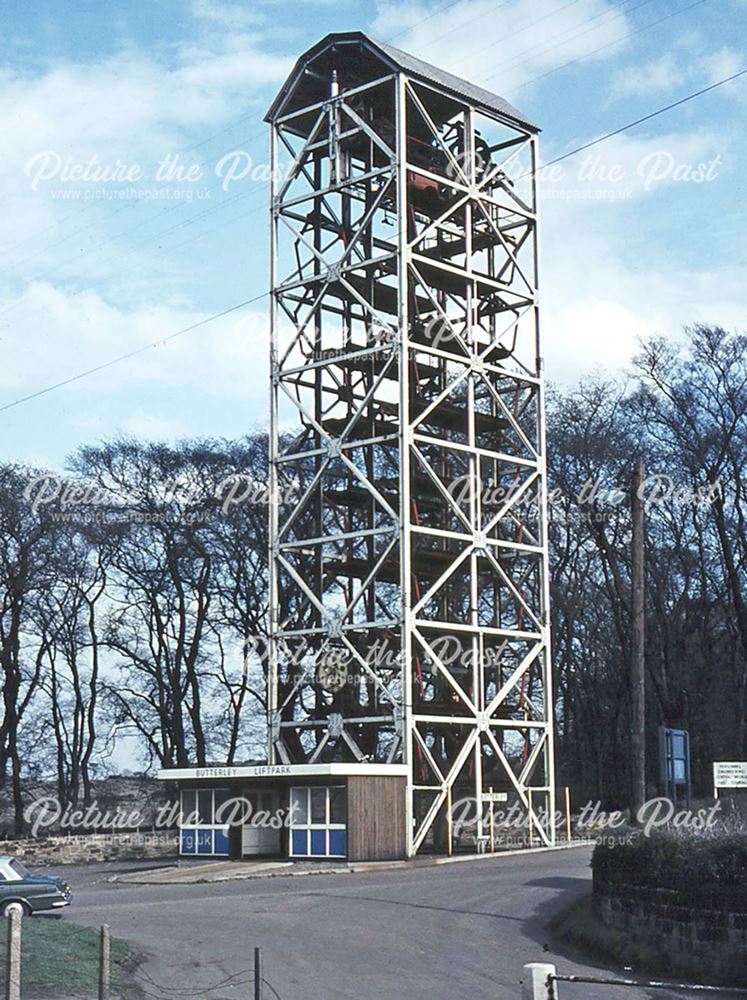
{"x": 283, "y": 771}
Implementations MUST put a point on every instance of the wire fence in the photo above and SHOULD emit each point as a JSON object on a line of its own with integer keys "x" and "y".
{"x": 137, "y": 981}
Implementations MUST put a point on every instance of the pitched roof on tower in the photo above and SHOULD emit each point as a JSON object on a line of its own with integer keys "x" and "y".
{"x": 395, "y": 59}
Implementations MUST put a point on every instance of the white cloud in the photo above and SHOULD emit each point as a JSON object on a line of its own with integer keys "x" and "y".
{"x": 626, "y": 167}
{"x": 154, "y": 427}
{"x": 598, "y": 295}
{"x": 594, "y": 314}
{"x": 203, "y": 361}
{"x": 127, "y": 109}
{"x": 128, "y": 105}
{"x": 656, "y": 77}
{"x": 596, "y": 301}
{"x": 501, "y": 47}
{"x": 226, "y": 15}
{"x": 718, "y": 65}
{"x": 677, "y": 68}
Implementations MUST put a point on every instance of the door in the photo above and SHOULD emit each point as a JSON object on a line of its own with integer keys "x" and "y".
{"x": 260, "y": 834}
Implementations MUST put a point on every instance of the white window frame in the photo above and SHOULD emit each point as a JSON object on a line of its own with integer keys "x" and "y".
{"x": 196, "y": 827}
{"x": 308, "y": 826}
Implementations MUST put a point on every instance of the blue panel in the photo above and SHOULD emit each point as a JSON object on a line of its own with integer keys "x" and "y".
{"x": 221, "y": 842}
{"x": 204, "y": 841}
{"x": 319, "y": 843}
{"x": 337, "y": 845}
{"x": 299, "y": 842}
{"x": 188, "y": 842}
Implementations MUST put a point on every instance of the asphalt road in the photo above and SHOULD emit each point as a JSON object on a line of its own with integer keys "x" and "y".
{"x": 437, "y": 933}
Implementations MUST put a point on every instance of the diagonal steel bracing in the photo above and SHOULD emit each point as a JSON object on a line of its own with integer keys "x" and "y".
{"x": 407, "y": 414}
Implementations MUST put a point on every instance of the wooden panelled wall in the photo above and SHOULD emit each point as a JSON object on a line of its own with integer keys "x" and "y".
{"x": 376, "y": 818}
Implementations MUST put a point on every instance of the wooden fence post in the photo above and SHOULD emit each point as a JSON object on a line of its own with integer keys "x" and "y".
{"x": 257, "y": 974}
{"x": 104, "y": 962}
{"x": 13, "y": 965}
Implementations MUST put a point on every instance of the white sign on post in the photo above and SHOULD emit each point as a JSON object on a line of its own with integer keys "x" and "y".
{"x": 729, "y": 774}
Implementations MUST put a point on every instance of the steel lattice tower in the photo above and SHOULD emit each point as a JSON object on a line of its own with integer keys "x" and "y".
{"x": 409, "y": 581}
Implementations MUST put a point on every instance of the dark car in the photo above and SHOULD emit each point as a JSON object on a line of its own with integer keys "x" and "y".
{"x": 32, "y": 892}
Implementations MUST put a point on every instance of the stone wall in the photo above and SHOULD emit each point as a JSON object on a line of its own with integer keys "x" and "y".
{"x": 82, "y": 848}
{"x": 697, "y": 941}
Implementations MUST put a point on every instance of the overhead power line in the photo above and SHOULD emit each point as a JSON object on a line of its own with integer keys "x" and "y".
{"x": 647, "y": 118}
{"x": 256, "y": 298}
{"x": 131, "y": 354}
{"x": 252, "y": 116}
{"x": 435, "y": 13}
{"x": 478, "y": 17}
{"x": 511, "y": 64}
{"x": 608, "y": 45}
{"x": 567, "y": 36}
{"x": 532, "y": 24}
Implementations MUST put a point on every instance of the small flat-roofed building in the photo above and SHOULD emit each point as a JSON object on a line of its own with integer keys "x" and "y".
{"x": 322, "y": 811}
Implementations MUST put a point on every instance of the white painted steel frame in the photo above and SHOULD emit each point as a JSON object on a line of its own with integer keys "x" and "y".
{"x": 407, "y": 727}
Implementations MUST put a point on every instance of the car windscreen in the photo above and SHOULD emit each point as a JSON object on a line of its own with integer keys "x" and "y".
{"x": 19, "y": 869}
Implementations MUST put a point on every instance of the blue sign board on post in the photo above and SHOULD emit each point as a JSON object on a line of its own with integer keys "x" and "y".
{"x": 674, "y": 763}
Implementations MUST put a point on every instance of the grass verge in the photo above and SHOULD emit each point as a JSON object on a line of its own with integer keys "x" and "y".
{"x": 60, "y": 958}
{"x": 579, "y": 927}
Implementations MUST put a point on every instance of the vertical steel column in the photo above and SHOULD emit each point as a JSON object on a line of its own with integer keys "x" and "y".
{"x": 405, "y": 437}
{"x": 549, "y": 702}
{"x": 274, "y": 500}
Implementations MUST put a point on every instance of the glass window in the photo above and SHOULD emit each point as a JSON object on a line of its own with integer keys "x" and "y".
{"x": 299, "y": 843}
{"x": 318, "y": 822}
{"x": 220, "y": 797}
{"x": 318, "y": 805}
{"x": 337, "y": 805}
{"x": 189, "y": 804}
{"x": 205, "y": 806}
{"x": 19, "y": 869}
{"x": 318, "y": 843}
{"x": 299, "y": 806}
{"x": 337, "y": 843}
{"x": 202, "y": 832}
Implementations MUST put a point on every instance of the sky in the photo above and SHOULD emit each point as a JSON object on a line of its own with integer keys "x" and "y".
{"x": 122, "y": 223}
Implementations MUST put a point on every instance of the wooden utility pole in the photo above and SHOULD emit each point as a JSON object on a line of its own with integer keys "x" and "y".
{"x": 637, "y": 671}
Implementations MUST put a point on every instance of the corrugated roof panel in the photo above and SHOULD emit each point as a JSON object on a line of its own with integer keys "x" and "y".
{"x": 463, "y": 88}
{"x": 417, "y": 68}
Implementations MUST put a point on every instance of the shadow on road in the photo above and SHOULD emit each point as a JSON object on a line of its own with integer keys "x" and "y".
{"x": 561, "y": 882}
{"x": 416, "y": 906}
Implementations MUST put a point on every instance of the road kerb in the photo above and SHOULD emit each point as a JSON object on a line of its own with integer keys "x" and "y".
{"x": 200, "y": 876}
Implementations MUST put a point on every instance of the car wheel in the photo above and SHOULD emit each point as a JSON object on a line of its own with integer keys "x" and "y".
{"x": 23, "y": 908}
